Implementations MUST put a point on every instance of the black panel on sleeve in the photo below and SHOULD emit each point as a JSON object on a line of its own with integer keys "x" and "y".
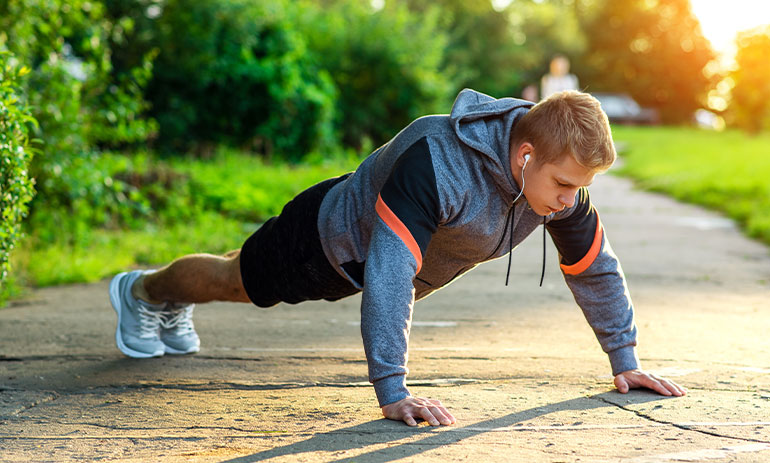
{"x": 355, "y": 270}
{"x": 574, "y": 235}
{"x": 411, "y": 193}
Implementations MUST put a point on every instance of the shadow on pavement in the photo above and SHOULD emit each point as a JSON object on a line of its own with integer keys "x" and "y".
{"x": 390, "y": 431}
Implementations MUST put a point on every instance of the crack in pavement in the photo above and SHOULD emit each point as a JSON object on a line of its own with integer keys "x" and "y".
{"x": 25, "y": 358}
{"x": 229, "y": 385}
{"x": 719, "y": 389}
{"x": 683, "y": 427}
{"x": 202, "y": 387}
{"x": 48, "y": 396}
{"x": 150, "y": 428}
{"x": 131, "y": 438}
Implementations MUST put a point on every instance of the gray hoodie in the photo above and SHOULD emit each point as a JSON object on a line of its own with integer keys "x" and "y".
{"x": 437, "y": 200}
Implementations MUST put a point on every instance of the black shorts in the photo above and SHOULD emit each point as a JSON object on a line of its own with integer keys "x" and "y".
{"x": 283, "y": 261}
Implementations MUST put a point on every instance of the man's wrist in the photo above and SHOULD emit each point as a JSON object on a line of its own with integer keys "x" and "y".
{"x": 624, "y": 359}
{"x": 391, "y": 389}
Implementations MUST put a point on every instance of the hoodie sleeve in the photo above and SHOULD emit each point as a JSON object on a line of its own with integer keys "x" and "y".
{"x": 593, "y": 274}
{"x": 407, "y": 215}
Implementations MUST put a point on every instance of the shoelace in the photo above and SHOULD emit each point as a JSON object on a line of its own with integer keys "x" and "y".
{"x": 149, "y": 322}
{"x": 181, "y": 319}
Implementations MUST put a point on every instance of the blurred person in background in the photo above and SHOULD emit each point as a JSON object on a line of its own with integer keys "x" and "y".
{"x": 559, "y": 78}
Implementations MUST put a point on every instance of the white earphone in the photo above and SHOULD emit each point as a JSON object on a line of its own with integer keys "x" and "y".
{"x": 526, "y": 160}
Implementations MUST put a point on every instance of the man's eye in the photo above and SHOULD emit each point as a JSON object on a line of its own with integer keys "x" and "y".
{"x": 561, "y": 184}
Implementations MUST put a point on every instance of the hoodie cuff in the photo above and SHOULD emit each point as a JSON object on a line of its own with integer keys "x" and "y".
{"x": 391, "y": 389}
{"x": 623, "y": 359}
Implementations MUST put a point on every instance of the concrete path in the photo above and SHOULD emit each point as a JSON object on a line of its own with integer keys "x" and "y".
{"x": 517, "y": 365}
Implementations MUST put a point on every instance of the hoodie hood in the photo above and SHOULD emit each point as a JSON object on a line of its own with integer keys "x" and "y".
{"x": 485, "y": 124}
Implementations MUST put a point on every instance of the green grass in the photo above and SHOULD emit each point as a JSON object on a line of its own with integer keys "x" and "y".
{"x": 231, "y": 193}
{"x": 247, "y": 188}
{"x": 726, "y": 171}
{"x": 108, "y": 252}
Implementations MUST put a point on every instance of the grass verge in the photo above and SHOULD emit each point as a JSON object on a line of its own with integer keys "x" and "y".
{"x": 725, "y": 171}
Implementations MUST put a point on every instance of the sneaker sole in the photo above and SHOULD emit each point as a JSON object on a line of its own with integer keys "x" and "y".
{"x": 115, "y": 300}
{"x": 172, "y": 351}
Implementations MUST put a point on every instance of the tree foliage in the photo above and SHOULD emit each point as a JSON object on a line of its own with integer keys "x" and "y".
{"x": 81, "y": 106}
{"x": 484, "y": 61}
{"x": 750, "y": 106}
{"x": 237, "y": 73}
{"x": 67, "y": 43}
{"x": 651, "y": 49}
{"x": 385, "y": 65}
{"x": 16, "y": 187}
{"x": 499, "y": 52}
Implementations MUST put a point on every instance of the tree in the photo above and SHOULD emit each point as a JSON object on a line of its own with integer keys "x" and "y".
{"x": 750, "y": 105}
{"x": 384, "y": 63}
{"x": 651, "y": 49}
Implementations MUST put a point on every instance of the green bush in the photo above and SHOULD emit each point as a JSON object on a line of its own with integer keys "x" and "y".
{"x": 237, "y": 73}
{"x": 385, "y": 65}
{"x": 69, "y": 42}
{"x": 16, "y": 188}
{"x": 82, "y": 106}
{"x": 113, "y": 192}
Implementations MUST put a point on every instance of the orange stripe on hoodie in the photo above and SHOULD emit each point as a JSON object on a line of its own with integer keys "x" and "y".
{"x": 398, "y": 227}
{"x": 583, "y": 264}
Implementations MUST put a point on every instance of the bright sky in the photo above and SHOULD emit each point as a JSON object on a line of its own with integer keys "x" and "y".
{"x": 720, "y": 20}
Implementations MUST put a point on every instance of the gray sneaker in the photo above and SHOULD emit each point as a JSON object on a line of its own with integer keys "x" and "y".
{"x": 177, "y": 330}
{"x": 138, "y": 324}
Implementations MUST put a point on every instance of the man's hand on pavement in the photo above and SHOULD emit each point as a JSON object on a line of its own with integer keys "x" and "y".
{"x": 633, "y": 379}
{"x": 410, "y": 409}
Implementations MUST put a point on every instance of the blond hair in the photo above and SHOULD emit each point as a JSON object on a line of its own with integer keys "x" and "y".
{"x": 567, "y": 122}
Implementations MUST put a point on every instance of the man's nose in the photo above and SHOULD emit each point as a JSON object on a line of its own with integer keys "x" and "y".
{"x": 567, "y": 200}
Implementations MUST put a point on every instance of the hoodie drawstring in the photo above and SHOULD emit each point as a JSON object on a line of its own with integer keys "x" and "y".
{"x": 542, "y": 273}
{"x": 510, "y": 250}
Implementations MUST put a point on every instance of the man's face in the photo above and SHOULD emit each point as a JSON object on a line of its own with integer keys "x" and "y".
{"x": 551, "y": 187}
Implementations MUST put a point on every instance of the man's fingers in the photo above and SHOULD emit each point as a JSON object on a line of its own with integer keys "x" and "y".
{"x": 426, "y": 414}
{"x": 637, "y": 378}
{"x": 441, "y": 414}
{"x": 411, "y": 409}
{"x": 675, "y": 389}
{"x": 451, "y": 419}
{"x": 654, "y": 383}
{"x": 658, "y": 387}
{"x": 682, "y": 390}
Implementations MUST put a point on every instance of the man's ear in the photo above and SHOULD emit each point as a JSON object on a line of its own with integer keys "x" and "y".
{"x": 524, "y": 149}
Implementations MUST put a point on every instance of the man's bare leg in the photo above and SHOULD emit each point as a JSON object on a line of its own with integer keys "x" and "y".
{"x": 194, "y": 278}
